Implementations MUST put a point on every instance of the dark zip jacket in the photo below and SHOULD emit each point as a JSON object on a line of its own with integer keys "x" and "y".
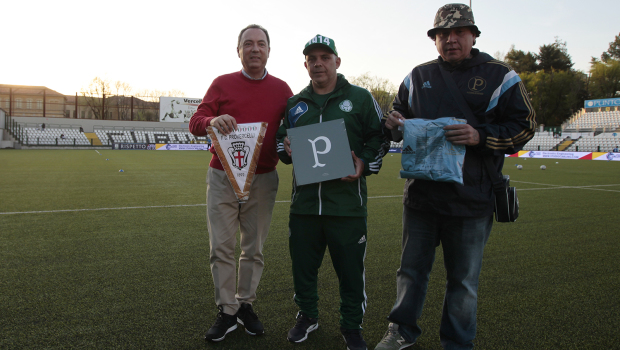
{"x": 506, "y": 121}
{"x": 362, "y": 116}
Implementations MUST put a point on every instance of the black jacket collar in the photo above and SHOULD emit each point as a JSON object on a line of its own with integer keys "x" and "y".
{"x": 477, "y": 58}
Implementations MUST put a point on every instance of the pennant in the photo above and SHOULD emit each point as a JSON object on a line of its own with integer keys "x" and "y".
{"x": 239, "y": 152}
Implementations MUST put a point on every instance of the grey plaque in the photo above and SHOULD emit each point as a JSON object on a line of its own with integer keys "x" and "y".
{"x": 320, "y": 152}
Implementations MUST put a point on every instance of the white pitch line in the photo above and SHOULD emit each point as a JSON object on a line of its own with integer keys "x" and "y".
{"x": 570, "y": 187}
{"x": 144, "y": 207}
{"x": 563, "y": 186}
{"x": 533, "y": 183}
{"x": 558, "y": 187}
{"x": 99, "y": 209}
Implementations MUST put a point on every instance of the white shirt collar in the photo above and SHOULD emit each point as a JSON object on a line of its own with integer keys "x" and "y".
{"x": 249, "y": 77}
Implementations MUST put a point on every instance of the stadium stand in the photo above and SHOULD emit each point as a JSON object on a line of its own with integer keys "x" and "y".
{"x": 606, "y": 120}
{"x": 108, "y": 137}
{"x": 38, "y": 132}
{"x": 543, "y": 141}
{"x": 54, "y": 136}
{"x": 396, "y": 144}
{"x": 28, "y": 133}
{"x": 600, "y": 143}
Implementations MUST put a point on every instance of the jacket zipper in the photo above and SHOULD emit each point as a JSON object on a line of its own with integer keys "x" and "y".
{"x": 320, "y": 183}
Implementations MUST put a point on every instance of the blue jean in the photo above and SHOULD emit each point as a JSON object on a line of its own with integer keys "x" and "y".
{"x": 463, "y": 240}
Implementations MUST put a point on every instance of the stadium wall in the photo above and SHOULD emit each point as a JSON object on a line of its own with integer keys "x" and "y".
{"x": 2, "y": 114}
{"x": 89, "y": 124}
{"x": 5, "y": 140}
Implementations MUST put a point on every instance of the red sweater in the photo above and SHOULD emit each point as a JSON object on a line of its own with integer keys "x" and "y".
{"x": 248, "y": 101}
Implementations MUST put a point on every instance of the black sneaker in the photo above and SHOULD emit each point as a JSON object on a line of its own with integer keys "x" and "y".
{"x": 303, "y": 326}
{"x": 354, "y": 339}
{"x": 224, "y": 324}
{"x": 247, "y": 317}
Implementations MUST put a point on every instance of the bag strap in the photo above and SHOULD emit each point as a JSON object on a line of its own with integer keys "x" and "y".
{"x": 458, "y": 97}
{"x": 471, "y": 119}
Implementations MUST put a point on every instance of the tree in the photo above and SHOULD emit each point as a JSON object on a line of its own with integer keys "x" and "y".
{"x": 121, "y": 101}
{"x": 556, "y": 90}
{"x": 613, "y": 53}
{"x": 520, "y": 61}
{"x": 94, "y": 94}
{"x": 605, "y": 74}
{"x": 381, "y": 89}
{"x": 500, "y": 55}
{"x": 555, "y": 95}
{"x": 554, "y": 57}
{"x": 103, "y": 96}
{"x": 605, "y": 79}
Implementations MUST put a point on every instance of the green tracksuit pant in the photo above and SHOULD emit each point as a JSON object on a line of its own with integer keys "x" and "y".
{"x": 345, "y": 236}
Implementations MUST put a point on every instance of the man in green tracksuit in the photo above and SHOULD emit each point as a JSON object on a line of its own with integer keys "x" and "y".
{"x": 332, "y": 213}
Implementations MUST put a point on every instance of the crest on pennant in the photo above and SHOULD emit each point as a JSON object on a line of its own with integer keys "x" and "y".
{"x": 239, "y": 152}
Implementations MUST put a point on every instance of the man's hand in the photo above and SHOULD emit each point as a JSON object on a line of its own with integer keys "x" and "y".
{"x": 462, "y": 134}
{"x": 359, "y": 169}
{"x": 287, "y": 145}
{"x": 394, "y": 120}
{"x": 224, "y": 123}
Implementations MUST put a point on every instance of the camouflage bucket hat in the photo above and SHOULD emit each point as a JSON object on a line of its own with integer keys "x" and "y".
{"x": 454, "y": 16}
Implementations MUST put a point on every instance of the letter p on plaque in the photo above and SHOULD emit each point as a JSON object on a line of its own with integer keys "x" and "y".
{"x": 328, "y": 146}
{"x": 320, "y": 152}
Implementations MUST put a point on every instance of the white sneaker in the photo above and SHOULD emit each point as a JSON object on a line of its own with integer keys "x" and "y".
{"x": 392, "y": 340}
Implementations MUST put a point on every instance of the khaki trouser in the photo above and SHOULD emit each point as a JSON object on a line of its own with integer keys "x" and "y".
{"x": 224, "y": 216}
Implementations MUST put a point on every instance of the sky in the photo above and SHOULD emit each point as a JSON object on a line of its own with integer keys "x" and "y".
{"x": 184, "y": 45}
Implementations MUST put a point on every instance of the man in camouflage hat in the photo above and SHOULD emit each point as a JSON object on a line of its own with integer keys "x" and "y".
{"x": 500, "y": 120}
{"x": 454, "y": 16}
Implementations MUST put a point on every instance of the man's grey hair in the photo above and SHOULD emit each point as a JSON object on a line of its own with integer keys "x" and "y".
{"x": 253, "y": 26}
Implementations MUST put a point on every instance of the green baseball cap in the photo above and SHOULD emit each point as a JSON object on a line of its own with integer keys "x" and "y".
{"x": 454, "y": 16}
{"x": 321, "y": 41}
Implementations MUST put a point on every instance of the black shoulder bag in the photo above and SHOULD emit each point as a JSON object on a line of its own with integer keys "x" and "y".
{"x": 506, "y": 201}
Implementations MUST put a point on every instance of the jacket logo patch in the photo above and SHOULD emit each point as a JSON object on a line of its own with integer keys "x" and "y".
{"x": 408, "y": 150}
{"x": 297, "y": 111}
{"x": 362, "y": 240}
{"x": 476, "y": 84}
{"x": 346, "y": 106}
{"x": 426, "y": 85}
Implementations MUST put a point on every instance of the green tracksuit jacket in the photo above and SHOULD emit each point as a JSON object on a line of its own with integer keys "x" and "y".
{"x": 362, "y": 116}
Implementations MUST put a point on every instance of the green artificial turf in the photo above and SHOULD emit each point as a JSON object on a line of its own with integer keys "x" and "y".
{"x": 94, "y": 258}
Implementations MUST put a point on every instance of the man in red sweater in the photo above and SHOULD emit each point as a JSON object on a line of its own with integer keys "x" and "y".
{"x": 248, "y": 96}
